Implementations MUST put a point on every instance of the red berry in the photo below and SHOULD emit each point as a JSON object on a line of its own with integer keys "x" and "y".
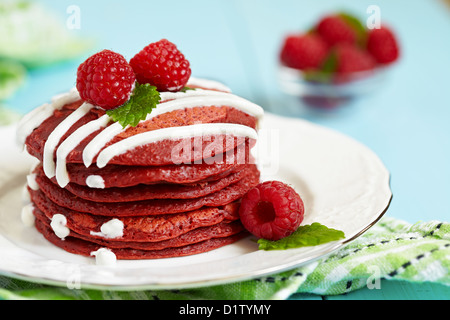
{"x": 382, "y": 45}
{"x": 163, "y": 66}
{"x": 105, "y": 80}
{"x": 352, "y": 59}
{"x": 304, "y": 52}
{"x": 334, "y": 30}
{"x": 272, "y": 210}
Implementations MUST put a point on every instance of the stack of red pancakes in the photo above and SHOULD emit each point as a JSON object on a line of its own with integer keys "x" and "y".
{"x": 163, "y": 209}
{"x": 168, "y": 197}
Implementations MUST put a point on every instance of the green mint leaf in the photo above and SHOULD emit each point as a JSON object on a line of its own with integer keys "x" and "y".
{"x": 142, "y": 101}
{"x": 317, "y": 76}
{"x": 185, "y": 89}
{"x": 305, "y": 236}
{"x": 326, "y": 71}
{"x": 357, "y": 26}
{"x": 330, "y": 64}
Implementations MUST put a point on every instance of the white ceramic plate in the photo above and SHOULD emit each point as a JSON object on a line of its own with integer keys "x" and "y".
{"x": 344, "y": 185}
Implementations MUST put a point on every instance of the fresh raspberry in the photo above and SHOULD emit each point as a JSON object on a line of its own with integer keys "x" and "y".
{"x": 382, "y": 45}
{"x": 163, "y": 66}
{"x": 334, "y": 29}
{"x": 271, "y": 210}
{"x": 304, "y": 51}
{"x": 105, "y": 80}
{"x": 352, "y": 59}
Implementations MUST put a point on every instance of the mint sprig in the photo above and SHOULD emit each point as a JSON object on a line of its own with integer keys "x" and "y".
{"x": 326, "y": 71}
{"x": 185, "y": 89}
{"x": 356, "y": 24}
{"x": 305, "y": 236}
{"x": 141, "y": 103}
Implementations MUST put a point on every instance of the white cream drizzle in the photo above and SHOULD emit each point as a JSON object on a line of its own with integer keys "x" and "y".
{"x": 206, "y": 83}
{"x": 95, "y": 182}
{"x": 112, "y": 229}
{"x": 27, "y": 215}
{"x": 36, "y": 117}
{"x": 192, "y": 99}
{"x": 209, "y": 99}
{"x": 59, "y": 226}
{"x": 206, "y": 129}
{"x": 66, "y": 147}
{"x": 57, "y": 134}
{"x": 104, "y": 257}
{"x": 178, "y": 101}
{"x": 31, "y": 182}
{"x": 98, "y": 142}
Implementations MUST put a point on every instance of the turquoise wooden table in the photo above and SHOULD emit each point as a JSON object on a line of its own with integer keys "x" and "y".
{"x": 237, "y": 42}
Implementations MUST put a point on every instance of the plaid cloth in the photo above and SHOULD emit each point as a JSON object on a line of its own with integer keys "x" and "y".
{"x": 392, "y": 249}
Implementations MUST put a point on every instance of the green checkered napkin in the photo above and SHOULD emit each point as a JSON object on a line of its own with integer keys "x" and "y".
{"x": 392, "y": 249}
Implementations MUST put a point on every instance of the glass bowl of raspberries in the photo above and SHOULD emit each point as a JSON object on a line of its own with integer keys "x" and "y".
{"x": 336, "y": 61}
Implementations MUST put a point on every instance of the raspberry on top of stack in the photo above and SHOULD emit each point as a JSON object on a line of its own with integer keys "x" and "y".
{"x": 140, "y": 160}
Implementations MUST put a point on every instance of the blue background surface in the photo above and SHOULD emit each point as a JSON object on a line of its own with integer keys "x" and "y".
{"x": 406, "y": 122}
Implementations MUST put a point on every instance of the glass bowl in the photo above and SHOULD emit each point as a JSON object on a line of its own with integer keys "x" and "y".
{"x": 327, "y": 91}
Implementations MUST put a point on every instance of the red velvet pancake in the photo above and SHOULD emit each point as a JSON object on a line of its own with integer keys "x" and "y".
{"x": 225, "y": 196}
{"x": 155, "y": 191}
{"x": 153, "y": 154}
{"x": 143, "y": 228}
{"x": 126, "y": 176}
{"x": 85, "y": 248}
{"x": 220, "y": 230}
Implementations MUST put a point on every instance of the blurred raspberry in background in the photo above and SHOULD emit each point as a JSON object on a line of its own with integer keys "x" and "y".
{"x": 336, "y": 60}
{"x": 341, "y": 35}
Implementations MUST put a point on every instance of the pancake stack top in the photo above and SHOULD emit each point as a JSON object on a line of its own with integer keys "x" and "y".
{"x": 168, "y": 187}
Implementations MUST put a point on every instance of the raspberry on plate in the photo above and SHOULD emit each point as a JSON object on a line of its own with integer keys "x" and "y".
{"x": 105, "y": 80}
{"x": 272, "y": 210}
{"x": 334, "y": 29}
{"x": 383, "y": 46}
{"x": 304, "y": 51}
{"x": 162, "y": 65}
